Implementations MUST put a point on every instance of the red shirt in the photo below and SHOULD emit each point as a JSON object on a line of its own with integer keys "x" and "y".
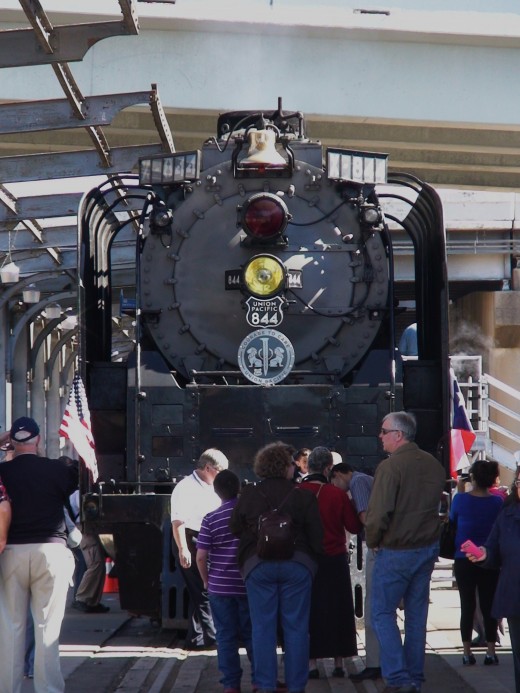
{"x": 337, "y": 516}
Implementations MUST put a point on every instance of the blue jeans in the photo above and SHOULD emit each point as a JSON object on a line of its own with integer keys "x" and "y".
{"x": 233, "y": 625}
{"x": 402, "y": 575}
{"x": 280, "y": 589}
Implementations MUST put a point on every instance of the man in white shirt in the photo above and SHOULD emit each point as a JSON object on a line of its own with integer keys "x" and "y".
{"x": 192, "y": 498}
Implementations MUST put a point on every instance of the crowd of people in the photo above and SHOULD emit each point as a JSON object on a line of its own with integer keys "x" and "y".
{"x": 295, "y": 592}
{"x": 303, "y": 602}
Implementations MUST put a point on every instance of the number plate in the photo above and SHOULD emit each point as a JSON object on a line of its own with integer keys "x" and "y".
{"x": 263, "y": 312}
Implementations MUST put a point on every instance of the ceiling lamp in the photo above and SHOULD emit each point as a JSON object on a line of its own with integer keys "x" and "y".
{"x": 10, "y": 273}
{"x": 53, "y": 311}
{"x": 70, "y": 322}
{"x": 31, "y": 294}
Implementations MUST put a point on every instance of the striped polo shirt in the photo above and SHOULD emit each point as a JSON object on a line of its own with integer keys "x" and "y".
{"x": 215, "y": 537}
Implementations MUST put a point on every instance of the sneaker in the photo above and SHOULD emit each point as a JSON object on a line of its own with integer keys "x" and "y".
{"x": 367, "y": 674}
{"x": 79, "y": 606}
{"x": 97, "y": 609}
{"x": 88, "y": 609}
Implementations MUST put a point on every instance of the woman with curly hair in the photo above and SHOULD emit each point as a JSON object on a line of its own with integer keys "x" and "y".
{"x": 279, "y": 591}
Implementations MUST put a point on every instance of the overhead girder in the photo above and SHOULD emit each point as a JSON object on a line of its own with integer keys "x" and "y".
{"x": 56, "y": 114}
{"x": 72, "y": 164}
{"x": 47, "y": 254}
{"x": 41, "y": 206}
{"x": 21, "y": 47}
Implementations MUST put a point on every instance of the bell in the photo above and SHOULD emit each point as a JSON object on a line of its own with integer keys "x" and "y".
{"x": 262, "y": 150}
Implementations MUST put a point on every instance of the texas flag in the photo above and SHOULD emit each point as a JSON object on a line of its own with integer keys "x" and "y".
{"x": 462, "y": 434}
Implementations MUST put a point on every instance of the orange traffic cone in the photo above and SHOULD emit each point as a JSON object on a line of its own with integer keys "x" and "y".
{"x": 111, "y": 583}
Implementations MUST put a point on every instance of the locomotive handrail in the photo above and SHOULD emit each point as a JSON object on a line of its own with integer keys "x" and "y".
{"x": 237, "y": 373}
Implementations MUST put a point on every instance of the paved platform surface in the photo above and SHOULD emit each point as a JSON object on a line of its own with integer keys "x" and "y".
{"x": 90, "y": 641}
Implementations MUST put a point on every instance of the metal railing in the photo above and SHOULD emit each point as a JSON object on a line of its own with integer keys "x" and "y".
{"x": 493, "y": 408}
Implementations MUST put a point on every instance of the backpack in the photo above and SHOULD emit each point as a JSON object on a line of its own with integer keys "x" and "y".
{"x": 276, "y": 533}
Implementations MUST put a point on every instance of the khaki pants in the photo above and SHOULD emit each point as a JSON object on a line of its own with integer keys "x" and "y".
{"x": 38, "y": 575}
{"x": 90, "y": 589}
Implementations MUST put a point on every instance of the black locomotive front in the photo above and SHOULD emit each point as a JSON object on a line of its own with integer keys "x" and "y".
{"x": 264, "y": 310}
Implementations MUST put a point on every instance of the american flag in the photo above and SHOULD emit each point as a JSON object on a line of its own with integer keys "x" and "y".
{"x": 75, "y": 425}
{"x": 462, "y": 434}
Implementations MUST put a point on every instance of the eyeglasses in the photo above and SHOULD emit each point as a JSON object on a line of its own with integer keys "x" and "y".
{"x": 384, "y": 431}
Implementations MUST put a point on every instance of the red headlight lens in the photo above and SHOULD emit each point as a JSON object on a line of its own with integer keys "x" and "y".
{"x": 264, "y": 216}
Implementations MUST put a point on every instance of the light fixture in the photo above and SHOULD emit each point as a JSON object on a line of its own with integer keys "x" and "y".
{"x": 181, "y": 167}
{"x": 370, "y": 215}
{"x": 356, "y": 167}
{"x": 31, "y": 294}
{"x": 10, "y": 273}
{"x": 70, "y": 322}
{"x": 53, "y": 311}
{"x": 264, "y": 276}
{"x": 161, "y": 218}
{"x": 264, "y": 216}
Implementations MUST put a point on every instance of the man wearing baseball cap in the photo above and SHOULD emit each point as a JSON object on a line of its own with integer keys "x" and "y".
{"x": 36, "y": 566}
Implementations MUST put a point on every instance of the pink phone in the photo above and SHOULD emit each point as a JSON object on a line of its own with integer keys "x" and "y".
{"x": 471, "y": 548}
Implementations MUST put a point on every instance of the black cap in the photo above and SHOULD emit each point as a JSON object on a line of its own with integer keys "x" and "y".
{"x": 24, "y": 429}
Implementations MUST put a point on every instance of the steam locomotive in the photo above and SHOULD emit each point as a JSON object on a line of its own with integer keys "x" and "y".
{"x": 263, "y": 307}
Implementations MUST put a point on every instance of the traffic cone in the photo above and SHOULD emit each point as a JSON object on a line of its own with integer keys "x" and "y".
{"x": 111, "y": 583}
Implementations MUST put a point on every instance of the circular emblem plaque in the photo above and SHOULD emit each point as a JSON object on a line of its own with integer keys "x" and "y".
{"x": 265, "y": 357}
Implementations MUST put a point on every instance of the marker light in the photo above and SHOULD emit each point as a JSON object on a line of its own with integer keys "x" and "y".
{"x": 180, "y": 167}
{"x": 264, "y": 216}
{"x": 356, "y": 167}
{"x": 264, "y": 276}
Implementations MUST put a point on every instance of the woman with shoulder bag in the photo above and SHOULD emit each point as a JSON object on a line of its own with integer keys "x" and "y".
{"x": 278, "y": 591}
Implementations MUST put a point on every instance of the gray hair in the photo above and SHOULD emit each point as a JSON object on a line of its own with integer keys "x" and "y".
{"x": 319, "y": 459}
{"x": 403, "y": 421}
{"x": 215, "y": 458}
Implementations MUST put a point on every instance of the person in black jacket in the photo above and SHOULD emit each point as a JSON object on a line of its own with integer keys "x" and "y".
{"x": 278, "y": 590}
{"x": 36, "y": 566}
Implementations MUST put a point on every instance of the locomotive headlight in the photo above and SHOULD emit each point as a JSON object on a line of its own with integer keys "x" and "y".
{"x": 264, "y": 216}
{"x": 264, "y": 276}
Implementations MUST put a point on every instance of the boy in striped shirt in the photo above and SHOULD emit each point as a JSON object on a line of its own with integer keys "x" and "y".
{"x": 218, "y": 567}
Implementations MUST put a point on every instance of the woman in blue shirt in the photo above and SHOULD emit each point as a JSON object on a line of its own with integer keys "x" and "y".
{"x": 474, "y": 513}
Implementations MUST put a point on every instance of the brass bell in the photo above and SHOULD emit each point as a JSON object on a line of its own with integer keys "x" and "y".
{"x": 262, "y": 150}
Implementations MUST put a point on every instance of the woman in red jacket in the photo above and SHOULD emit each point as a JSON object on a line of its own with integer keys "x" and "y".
{"x": 332, "y": 623}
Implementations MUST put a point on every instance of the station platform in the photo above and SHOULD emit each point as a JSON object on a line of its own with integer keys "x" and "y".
{"x": 90, "y": 650}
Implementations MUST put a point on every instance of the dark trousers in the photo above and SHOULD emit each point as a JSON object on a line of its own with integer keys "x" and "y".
{"x": 514, "y": 631}
{"x": 201, "y": 630}
{"x": 470, "y": 578}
